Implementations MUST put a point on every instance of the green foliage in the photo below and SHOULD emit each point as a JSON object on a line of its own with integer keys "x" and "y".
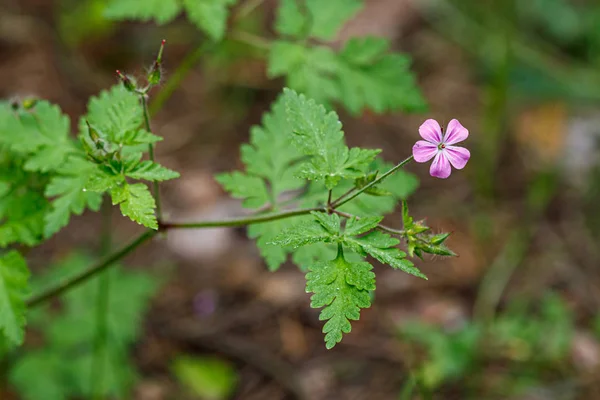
{"x": 271, "y": 171}
{"x": 529, "y": 341}
{"x": 208, "y": 378}
{"x": 114, "y": 142}
{"x": 210, "y": 16}
{"x": 314, "y": 18}
{"x": 42, "y": 373}
{"x": 371, "y": 77}
{"x": 383, "y": 248}
{"x": 14, "y": 288}
{"x": 319, "y": 135}
{"x": 68, "y": 188}
{"x": 342, "y": 288}
{"x": 136, "y": 202}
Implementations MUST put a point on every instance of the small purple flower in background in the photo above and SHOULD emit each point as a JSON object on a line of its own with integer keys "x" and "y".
{"x": 440, "y": 146}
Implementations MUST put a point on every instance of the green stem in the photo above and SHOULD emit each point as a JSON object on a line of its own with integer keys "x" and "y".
{"x": 104, "y": 264}
{"x": 90, "y": 272}
{"x": 151, "y": 154}
{"x": 340, "y": 201}
{"x": 177, "y": 77}
{"x": 256, "y": 219}
{"x": 250, "y": 39}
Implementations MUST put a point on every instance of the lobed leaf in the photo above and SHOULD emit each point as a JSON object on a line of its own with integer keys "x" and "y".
{"x": 14, "y": 289}
{"x": 342, "y": 288}
{"x": 136, "y": 202}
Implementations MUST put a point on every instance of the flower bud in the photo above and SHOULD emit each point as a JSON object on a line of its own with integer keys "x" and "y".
{"x": 154, "y": 75}
{"x": 127, "y": 82}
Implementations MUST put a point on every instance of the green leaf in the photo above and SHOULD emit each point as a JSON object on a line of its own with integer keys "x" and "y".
{"x": 22, "y": 206}
{"x": 162, "y": 11}
{"x": 381, "y": 246}
{"x": 370, "y": 77}
{"x": 207, "y": 377}
{"x": 342, "y": 288}
{"x": 209, "y": 16}
{"x": 36, "y": 375}
{"x": 323, "y": 228}
{"x": 117, "y": 115}
{"x": 355, "y": 226}
{"x": 309, "y": 70}
{"x": 271, "y": 166}
{"x": 252, "y": 189}
{"x": 41, "y": 134}
{"x": 318, "y": 134}
{"x": 364, "y": 75}
{"x": 70, "y": 332}
{"x": 14, "y": 290}
{"x": 319, "y": 19}
{"x": 68, "y": 188}
{"x": 136, "y": 202}
{"x": 151, "y": 171}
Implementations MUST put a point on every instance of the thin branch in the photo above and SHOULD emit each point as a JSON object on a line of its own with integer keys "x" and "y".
{"x": 151, "y": 154}
{"x": 339, "y": 202}
{"x": 256, "y": 219}
{"x": 90, "y": 272}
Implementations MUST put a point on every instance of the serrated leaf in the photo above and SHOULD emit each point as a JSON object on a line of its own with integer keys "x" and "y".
{"x": 117, "y": 115}
{"x": 136, "y": 202}
{"x": 209, "y": 16}
{"x": 41, "y": 134}
{"x": 271, "y": 165}
{"x": 381, "y": 246}
{"x": 151, "y": 171}
{"x": 68, "y": 188}
{"x": 323, "y": 21}
{"x": 22, "y": 206}
{"x": 14, "y": 289}
{"x": 356, "y": 226}
{"x": 252, "y": 189}
{"x": 318, "y": 133}
{"x": 371, "y": 78}
{"x": 364, "y": 75}
{"x": 302, "y": 234}
{"x": 307, "y": 69}
{"x": 162, "y": 11}
{"x": 342, "y": 288}
{"x": 138, "y": 137}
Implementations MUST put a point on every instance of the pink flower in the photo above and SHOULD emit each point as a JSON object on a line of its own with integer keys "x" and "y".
{"x": 440, "y": 147}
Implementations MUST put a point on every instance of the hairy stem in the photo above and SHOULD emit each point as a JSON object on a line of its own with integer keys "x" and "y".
{"x": 151, "y": 154}
{"x": 341, "y": 201}
{"x": 255, "y": 219}
{"x": 83, "y": 276}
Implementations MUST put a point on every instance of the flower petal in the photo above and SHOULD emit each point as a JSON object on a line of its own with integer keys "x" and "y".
{"x": 455, "y": 132}
{"x": 458, "y": 156}
{"x": 424, "y": 151}
{"x": 430, "y": 130}
{"x": 440, "y": 167}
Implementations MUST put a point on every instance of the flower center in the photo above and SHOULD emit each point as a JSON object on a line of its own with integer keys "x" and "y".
{"x": 441, "y": 146}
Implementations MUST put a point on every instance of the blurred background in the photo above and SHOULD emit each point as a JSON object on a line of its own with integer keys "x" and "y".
{"x": 196, "y": 315}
